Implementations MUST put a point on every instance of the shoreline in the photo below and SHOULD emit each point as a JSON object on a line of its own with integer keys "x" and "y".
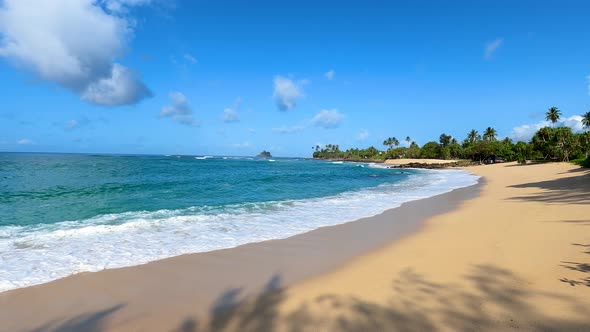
{"x": 410, "y": 163}
{"x": 513, "y": 257}
{"x": 292, "y": 260}
{"x": 282, "y": 220}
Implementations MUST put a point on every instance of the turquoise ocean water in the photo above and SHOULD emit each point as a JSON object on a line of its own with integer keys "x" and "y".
{"x": 66, "y": 213}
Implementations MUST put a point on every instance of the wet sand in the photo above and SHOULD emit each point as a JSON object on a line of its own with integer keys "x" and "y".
{"x": 514, "y": 257}
{"x": 165, "y": 294}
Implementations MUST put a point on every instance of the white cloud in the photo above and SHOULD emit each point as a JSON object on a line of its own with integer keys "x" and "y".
{"x": 288, "y": 130}
{"x": 574, "y": 122}
{"x": 526, "y": 132}
{"x": 286, "y": 92}
{"x": 122, "y": 87}
{"x": 363, "y": 134}
{"x": 122, "y": 6}
{"x": 230, "y": 114}
{"x": 24, "y": 141}
{"x": 328, "y": 119}
{"x": 180, "y": 111}
{"x": 189, "y": 58}
{"x": 491, "y": 48}
{"x": 71, "y": 125}
{"x": 330, "y": 74}
{"x": 74, "y": 44}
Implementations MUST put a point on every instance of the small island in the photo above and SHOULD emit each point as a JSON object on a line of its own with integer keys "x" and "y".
{"x": 264, "y": 154}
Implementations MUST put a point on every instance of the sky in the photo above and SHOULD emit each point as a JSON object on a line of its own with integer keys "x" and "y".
{"x": 238, "y": 77}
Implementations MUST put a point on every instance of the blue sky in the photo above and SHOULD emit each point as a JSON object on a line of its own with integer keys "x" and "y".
{"x": 236, "y": 77}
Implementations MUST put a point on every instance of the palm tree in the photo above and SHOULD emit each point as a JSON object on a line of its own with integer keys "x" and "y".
{"x": 388, "y": 142}
{"x": 472, "y": 137}
{"x": 408, "y": 140}
{"x": 489, "y": 134}
{"x": 553, "y": 115}
{"x": 586, "y": 120}
{"x": 391, "y": 142}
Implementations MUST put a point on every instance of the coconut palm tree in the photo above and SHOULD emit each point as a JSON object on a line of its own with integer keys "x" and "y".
{"x": 489, "y": 134}
{"x": 586, "y": 120}
{"x": 388, "y": 142}
{"x": 408, "y": 140}
{"x": 391, "y": 142}
{"x": 472, "y": 136}
{"x": 553, "y": 115}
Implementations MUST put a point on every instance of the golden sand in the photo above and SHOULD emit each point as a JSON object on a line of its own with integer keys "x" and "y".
{"x": 515, "y": 257}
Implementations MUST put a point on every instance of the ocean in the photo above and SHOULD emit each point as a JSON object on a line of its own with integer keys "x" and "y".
{"x": 62, "y": 214}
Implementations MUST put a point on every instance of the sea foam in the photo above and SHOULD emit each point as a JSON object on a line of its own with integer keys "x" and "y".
{"x": 40, "y": 253}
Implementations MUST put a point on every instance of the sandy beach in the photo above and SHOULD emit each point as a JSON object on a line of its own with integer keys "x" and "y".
{"x": 510, "y": 253}
{"x": 516, "y": 257}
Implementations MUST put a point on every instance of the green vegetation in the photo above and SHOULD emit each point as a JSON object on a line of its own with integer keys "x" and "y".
{"x": 553, "y": 115}
{"x": 582, "y": 162}
{"x": 264, "y": 154}
{"x": 548, "y": 144}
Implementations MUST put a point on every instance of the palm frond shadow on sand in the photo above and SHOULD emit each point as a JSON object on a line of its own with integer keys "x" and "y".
{"x": 496, "y": 300}
{"x": 581, "y": 268}
{"x": 569, "y": 190}
{"x": 89, "y": 322}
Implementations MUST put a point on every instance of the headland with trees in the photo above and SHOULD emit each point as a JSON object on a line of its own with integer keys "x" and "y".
{"x": 551, "y": 143}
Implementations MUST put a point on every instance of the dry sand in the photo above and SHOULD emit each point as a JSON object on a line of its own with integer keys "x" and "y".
{"x": 515, "y": 257}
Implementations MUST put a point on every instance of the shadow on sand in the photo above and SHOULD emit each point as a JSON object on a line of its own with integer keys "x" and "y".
{"x": 90, "y": 322}
{"x": 498, "y": 300}
{"x": 578, "y": 267}
{"x": 570, "y": 190}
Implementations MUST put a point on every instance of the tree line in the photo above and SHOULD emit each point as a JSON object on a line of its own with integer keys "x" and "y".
{"x": 549, "y": 143}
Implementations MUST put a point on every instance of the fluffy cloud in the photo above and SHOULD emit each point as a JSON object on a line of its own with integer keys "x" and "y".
{"x": 328, "y": 119}
{"x": 288, "y": 130}
{"x": 24, "y": 141}
{"x": 121, "y": 6}
{"x": 491, "y": 48}
{"x": 73, "y": 44}
{"x": 286, "y": 92}
{"x": 363, "y": 134}
{"x": 526, "y": 132}
{"x": 180, "y": 111}
{"x": 121, "y": 87}
{"x": 230, "y": 114}
{"x": 330, "y": 74}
